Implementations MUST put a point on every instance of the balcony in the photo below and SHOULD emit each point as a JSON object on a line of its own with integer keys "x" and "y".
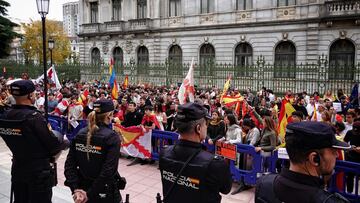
{"x": 341, "y": 8}
{"x": 90, "y": 28}
{"x": 114, "y": 26}
{"x": 140, "y": 24}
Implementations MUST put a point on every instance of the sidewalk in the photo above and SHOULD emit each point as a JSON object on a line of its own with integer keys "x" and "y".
{"x": 143, "y": 182}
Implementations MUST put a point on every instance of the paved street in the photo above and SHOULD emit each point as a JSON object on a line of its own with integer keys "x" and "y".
{"x": 143, "y": 182}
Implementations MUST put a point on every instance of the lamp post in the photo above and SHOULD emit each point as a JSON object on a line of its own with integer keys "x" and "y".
{"x": 43, "y": 9}
{"x": 51, "y": 44}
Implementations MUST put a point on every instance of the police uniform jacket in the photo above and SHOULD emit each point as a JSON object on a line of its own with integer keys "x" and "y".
{"x": 93, "y": 168}
{"x": 203, "y": 179}
{"x": 34, "y": 148}
{"x": 292, "y": 187}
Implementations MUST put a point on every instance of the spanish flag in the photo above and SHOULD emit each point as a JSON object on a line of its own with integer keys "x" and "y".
{"x": 115, "y": 91}
{"x": 126, "y": 82}
{"x": 83, "y": 97}
{"x": 285, "y": 117}
{"x": 226, "y": 88}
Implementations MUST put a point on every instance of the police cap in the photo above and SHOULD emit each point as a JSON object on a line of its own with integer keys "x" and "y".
{"x": 191, "y": 111}
{"x": 314, "y": 135}
{"x": 22, "y": 87}
{"x": 104, "y": 105}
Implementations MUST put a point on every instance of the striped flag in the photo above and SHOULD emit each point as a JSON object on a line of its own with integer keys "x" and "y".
{"x": 285, "y": 117}
{"x": 83, "y": 98}
{"x": 126, "y": 82}
{"x": 226, "y": 88}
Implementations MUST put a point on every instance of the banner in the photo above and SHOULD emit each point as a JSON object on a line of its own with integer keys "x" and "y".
{"x": 135, "y": 142}
{"x": 226, "y": 150}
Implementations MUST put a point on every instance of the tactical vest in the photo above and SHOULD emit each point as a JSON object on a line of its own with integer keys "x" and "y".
{"x": 190, "y": 186}
{"x": 265, "y": 193}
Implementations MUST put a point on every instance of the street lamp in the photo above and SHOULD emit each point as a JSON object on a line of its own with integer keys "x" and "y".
{"x": 51, "y": 44}
{"x": 43, "y": 9}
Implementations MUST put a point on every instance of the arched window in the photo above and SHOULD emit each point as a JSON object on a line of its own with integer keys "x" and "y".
{"x": 243, "y": 59}
{"x": 118, "y": 56}
{"x": 95, "y": 56}
{"x": 143, "y": 56}
{"x": 175, "y": 60}
{"x": 285, "y": 60}
{"x": 342, "y": 60}
{"x": 175, "y": 54}
{"x": 207, "y": 59}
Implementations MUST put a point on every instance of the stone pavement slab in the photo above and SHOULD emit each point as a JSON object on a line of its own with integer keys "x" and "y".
{"x": 143, "y": 182}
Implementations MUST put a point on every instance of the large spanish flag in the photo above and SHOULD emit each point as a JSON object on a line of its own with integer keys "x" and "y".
{"x": 285, "y": 117}
{"x": 226, "y": 88}
{"x": 135, "y": 142}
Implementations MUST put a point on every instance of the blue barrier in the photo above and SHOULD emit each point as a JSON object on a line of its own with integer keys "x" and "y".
{"x": 62, "y": 125}
{"x": 347, "y": 168}
{"x": 160, "y": 139}
{"x": 248, "y": 175}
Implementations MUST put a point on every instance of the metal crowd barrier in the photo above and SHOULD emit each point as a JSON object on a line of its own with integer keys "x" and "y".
{"x": 343, "y": 169}
{"x": 161, "y": 139}
{"x": 251, "y": 162}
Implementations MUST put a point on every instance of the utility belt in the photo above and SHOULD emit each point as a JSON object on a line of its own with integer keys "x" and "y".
{"x": 35, "y": 170}
{"x": 117, "y": 183}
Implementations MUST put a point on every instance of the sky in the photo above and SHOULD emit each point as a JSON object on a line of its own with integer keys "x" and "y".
{"x": 26, "y": 9}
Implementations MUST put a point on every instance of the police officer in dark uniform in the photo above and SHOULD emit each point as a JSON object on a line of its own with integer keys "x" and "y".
{"x": 312, "y": 149}
{"x": 92, "y": 162}
{"x": 32, "y": 144}
{"x": 190, "y": 174}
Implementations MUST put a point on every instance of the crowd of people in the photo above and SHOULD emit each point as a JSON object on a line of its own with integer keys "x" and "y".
{"x": 257, "y": 126}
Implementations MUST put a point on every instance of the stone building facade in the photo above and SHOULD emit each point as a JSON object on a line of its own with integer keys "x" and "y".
{"x": 239, "y": 32}
{"x": 311, "y": 26}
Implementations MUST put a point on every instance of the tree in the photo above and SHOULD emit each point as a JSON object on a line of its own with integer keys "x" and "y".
{"x": 32, "y": 44}
{"x": 6, "y": 30}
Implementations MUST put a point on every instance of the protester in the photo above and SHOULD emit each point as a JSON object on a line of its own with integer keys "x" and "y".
{"x": 216, "y": 128}
{"x": 233, "y": 133}
{"x": 353, "y": 138}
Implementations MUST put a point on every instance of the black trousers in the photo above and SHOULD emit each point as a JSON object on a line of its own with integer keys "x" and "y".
{"x": 26, "y": 193}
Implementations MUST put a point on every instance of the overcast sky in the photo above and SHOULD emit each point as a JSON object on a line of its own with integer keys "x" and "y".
{"x": 26, "y": 9}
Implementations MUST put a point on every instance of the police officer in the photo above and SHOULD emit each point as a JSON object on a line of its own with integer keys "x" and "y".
{"x": 188, "y": 173}
{"x": 312, "y": 149}
{"x": 32, "y": 144}
{"x": 92, "y": 162}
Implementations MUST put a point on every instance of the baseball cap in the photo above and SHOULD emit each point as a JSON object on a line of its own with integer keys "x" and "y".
{"x": 314, "y": 135}
{"x": 104, "y": 105}
{"x": 22, "y": 87}
{"x": 191, "y": 111}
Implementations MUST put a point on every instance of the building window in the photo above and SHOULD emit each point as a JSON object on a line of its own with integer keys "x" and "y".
{"x": 207, "y": 59}
{"x": 286, "y": 2}
{"x": 285, "y": 60}
{"x": 116, "y": 5}
{"x": 175, "y": 55}
{"x": 207, "y": 6}
{"x": 95, "y": 56}
{"x": 93, "y": 12}
{"x": 174, "y": 7}
{"x": 118, "y": 57}
{"x": 143, "y": 56}
{"x": 243, "y": 4}
{"x": 243, "y": 60}
{"x": 141, "y": 9}
{"x": 342, "y": 60}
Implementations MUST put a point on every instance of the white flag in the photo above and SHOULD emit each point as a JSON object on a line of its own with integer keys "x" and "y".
{"x": 187, "y": 87}
{"x": 51, "y": 75}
